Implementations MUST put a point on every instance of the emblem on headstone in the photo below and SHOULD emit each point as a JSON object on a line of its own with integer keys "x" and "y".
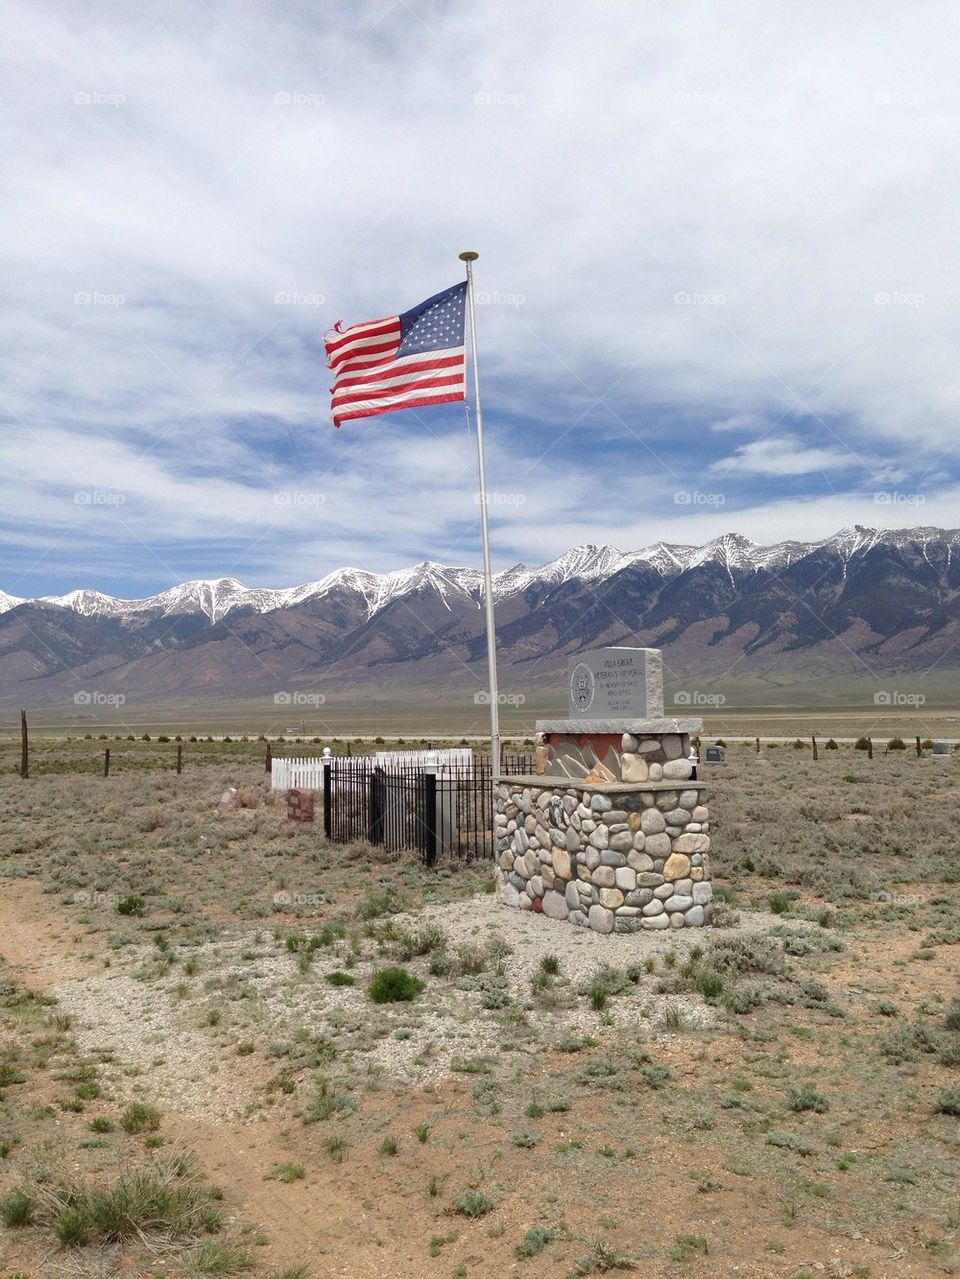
{"x": 582, "y": 686}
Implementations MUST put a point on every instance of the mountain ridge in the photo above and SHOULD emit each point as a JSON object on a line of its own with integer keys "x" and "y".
{"x": 217, "y": 597}
{"x": 865, "y": 602}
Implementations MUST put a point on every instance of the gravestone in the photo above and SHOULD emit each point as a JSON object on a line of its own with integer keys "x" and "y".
{"x": 299, "y": 805}
{"x": 716, "y": 755}
{"x": 941, "y": 748}
{"x": 626, "y": 683}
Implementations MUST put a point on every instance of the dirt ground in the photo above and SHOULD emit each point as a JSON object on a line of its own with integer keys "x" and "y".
{"x": 550, "y": 1103}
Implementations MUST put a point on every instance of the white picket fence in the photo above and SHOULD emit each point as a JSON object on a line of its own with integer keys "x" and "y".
{"x": 459, "y": 757}
{"x": 307, "y": 774}
{"x": 304, "y": 774}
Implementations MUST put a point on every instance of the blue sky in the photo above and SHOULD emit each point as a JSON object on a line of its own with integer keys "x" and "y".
{"x": 717, "y": 286}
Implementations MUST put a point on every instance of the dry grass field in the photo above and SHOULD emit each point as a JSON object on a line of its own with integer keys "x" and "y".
{"x": 196, "y": 1080}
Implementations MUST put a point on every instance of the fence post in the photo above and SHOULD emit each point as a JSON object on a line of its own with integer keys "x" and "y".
{"x": 430, "y": 808}
{"x": 758, "y": 745}
{"x": 106, "y": 762}
{"x": 268, "y": 763}
{"x": 24, "y": 746}
{"x": 179, "y": 758}
{"x": 816, "y": 753}
{"x": 327, "y": 792}
{"x": 919, "y": 751}
{"x": 376, "y": 806}
{"x": 869, "y": 748}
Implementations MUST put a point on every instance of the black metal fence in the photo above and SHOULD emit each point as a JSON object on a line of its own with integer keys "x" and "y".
{"x": 446, "y": 813}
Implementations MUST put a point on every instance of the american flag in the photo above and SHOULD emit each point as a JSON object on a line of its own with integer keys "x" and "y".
{"x": 401, "y": 362}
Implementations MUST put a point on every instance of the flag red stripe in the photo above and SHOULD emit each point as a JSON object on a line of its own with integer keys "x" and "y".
{"x": 334, "y": 340}
{"x": 397, "y": 369}
{"x": 363, "y": 347}
{"x": 377, "y": 410}
{"x": 371, "y": 393}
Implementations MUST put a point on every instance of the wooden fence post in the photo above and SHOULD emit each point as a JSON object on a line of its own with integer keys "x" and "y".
{"x": 869, "y": 748}
{"x": 816, "y": 753}
{"x": 179, "y": 757}
{"x": 106, "y": 762}
{"x": 268, "y": 762}
{"x": 24, "y": 746}
{"x": 758, "y": 745}
{"x": 919, "y": 750}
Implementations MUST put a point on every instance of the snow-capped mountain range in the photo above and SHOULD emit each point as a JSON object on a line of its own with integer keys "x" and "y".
{"x": 852, "y": 606}
{"x": 217, "y": 598}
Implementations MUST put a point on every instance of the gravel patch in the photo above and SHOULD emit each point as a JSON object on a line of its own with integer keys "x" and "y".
{"x": 191, "y": 1069}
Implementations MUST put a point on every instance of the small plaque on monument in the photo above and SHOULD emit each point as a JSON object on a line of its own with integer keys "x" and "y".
{"x": 626, "y": 683}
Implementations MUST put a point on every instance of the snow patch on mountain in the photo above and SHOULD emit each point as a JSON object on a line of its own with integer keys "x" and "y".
{"x": 9, "y": 601}
{"x": 215, "y": 598}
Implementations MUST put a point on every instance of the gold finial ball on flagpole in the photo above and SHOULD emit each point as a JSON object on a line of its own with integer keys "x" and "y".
{"x": 468, "y": 255}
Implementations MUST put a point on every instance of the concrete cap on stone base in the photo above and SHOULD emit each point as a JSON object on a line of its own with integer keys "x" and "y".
{"x": 638, "y": 727}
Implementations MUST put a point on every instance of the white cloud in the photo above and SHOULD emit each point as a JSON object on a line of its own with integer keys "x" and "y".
{"x": 783, "y": 455}
{"x": 730, "y": 216}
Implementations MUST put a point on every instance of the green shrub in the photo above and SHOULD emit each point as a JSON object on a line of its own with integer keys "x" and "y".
{"x": 709, "y": 984}
{"x": 139, "y": 1117}
{"x": 223, "y": 1259}
{"x": 340, "y": 979}
{"x": 71, "y": 1228}
{"x": 16, "y": 1209}
{"x": 896, "y": 744}
{"x": 394, "y": 985}
{"x": 132, "y": 905}
{"x": 286, "y": 1173}
{"x": 803, "y": 1099}
{"x": 948, "y": 1102}
{"x": 689, "y": 1246}
{"x": 534, "y": 1241}
{"x": 473, "y": 1203}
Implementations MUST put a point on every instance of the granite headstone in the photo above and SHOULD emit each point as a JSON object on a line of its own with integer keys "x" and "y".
{"x": 617, "y": 682}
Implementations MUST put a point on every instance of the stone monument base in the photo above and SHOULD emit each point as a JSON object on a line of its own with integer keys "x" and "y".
{"x": 615, "y": 858}
{"x": 612, "y": 833}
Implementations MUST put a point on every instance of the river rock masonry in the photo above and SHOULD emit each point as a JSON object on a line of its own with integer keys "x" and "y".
{"x": 615, "y": 834}
{"x": 615, "y": 860}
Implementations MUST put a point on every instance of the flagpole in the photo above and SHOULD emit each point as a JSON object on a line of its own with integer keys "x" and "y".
{"x": 469, "y": 257}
